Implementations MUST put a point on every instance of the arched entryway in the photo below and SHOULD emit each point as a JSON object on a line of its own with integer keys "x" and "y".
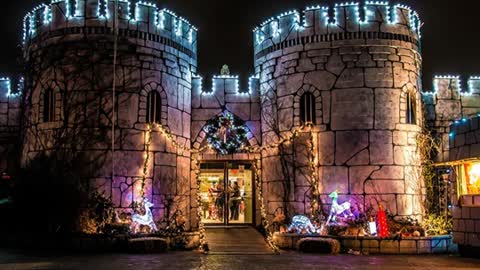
{"x": 227, "y": 177}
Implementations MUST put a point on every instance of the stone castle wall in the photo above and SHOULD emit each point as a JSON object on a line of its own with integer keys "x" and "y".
{"x": 9, "y": 124}
{"x": 225, "y": 95}
{"x": 464, "y": 139}
{"x": 359, "y": 70}
{"x": 72, "y": 54}
{"x": 448, "y": 104}
{"x": 358, "y": 61}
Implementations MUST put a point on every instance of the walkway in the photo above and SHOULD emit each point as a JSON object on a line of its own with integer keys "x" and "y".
{"x": 241, "y": 240}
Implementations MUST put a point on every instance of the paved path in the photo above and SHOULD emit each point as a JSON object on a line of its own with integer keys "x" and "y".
{"x": 241, "y": 241}
{"x": 192, "y": 260}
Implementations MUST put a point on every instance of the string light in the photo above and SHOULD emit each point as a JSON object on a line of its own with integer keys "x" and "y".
{"x": 102, "y": 12}
{"x": 201, "y": 226}
{"x": 8, "y": 85}
{"x": 391, "y": 15}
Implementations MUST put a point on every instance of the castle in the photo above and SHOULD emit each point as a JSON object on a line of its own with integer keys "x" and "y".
{"x": 352, "y": 71}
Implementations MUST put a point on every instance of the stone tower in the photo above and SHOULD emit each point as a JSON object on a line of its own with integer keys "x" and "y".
{"x": 357, "y": 66}
{"x": 69, "y": 52}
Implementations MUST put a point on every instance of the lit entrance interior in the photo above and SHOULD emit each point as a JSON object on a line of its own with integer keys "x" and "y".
{"x": 227, "y": 192}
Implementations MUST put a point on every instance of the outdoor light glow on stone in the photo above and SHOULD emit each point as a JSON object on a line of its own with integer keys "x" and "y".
{"x": 299, "y": 60}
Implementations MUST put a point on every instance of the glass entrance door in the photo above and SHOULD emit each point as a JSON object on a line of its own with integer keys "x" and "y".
{"x": 227, "y": 193}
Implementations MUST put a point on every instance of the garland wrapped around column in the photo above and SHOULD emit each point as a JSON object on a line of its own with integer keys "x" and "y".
{"x": 146, "y": 159}
{"x": 263, "y": 211}
{"x": 314, "y": 179}
{"x": 201, "y": 226}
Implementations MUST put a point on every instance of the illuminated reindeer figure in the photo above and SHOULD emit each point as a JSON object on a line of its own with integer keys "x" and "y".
{"x": 338, "y": 209}
{"x": 146, "y": 219}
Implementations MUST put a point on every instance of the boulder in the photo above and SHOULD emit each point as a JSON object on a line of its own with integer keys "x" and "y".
{"x": 319, "y": 245}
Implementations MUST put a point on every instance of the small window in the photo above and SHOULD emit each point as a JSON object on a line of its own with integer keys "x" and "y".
{"x": 411, "y": 109}
{"x": 49, "y": 106}
{"x": 154, "y": 107}
{"x": 307, "y": 109}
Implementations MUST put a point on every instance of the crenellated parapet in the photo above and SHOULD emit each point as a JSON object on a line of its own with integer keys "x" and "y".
{"x": 136, "y": 20}
{"x": 452, "y": 101}
{"x": 446, "y": 85}
{"x": 228, "y": 84}
{"x": 10, "y": 112}
{"x": 9, "y": 90}
{"x": 345, "y": 21}
{"x": 225, "y": 94}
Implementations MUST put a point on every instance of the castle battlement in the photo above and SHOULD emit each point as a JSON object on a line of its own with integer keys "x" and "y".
{"x": 452, "y": 86}
{"x": 9, "y": 91}
{"x": 139, "y": 19}
{"x": 371, "y": 20}
{"x": 225, "y": 84}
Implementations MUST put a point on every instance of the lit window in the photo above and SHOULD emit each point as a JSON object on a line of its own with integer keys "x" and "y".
{"x": 411, "y": 109}
{"x": 469, "y": 179}
{"x": 307, "y": 109}
{"x": 48, "y": 106}
{"x": 154, "y": 107}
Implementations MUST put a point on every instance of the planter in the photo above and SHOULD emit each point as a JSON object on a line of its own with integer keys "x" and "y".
{"x": 373, "y": 245}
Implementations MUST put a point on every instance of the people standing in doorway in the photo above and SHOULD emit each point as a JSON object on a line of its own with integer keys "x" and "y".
{"x": 212, "y": 198}
{"x": 220, "y": 201}
{"x": 235, "y": 199}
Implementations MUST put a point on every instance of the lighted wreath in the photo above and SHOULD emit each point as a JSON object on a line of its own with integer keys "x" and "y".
{"x": 226, "y": 134}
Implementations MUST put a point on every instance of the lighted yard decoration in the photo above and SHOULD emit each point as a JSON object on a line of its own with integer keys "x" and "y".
{"x": 301, "y": 223}
{"x": 146, "y": 219}
{"x": 372, "y": 226}
{"x": 382, "y": 226}
{"x": 338, "y": 209}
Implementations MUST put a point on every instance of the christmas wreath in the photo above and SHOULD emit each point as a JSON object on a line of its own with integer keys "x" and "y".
{"x": 226, "y": 134}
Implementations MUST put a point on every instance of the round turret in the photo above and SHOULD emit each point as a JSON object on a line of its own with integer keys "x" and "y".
{"x": 70, "y": 54}
{"x": 353, "y": 71}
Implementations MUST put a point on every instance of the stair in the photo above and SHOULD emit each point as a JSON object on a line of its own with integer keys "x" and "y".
{"x": 236, "y": 241}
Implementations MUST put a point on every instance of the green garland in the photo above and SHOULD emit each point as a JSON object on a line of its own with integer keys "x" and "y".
{"x": 234, "y": 137}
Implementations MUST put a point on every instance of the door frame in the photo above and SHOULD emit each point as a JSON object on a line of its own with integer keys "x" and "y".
{"x": 226, "y": 214}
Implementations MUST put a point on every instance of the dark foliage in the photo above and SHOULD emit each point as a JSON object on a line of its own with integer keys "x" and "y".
{"x": 47, "y": 196}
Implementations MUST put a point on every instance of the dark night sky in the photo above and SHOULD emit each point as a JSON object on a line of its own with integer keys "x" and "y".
{"x": 450, "y": 40}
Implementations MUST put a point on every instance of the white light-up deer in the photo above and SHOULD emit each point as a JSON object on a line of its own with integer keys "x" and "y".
{"x": 338, "y": 209}
{"x": 146, "y": 219}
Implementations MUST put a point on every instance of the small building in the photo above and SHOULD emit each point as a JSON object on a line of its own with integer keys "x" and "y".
{"x": 464, "y": 157}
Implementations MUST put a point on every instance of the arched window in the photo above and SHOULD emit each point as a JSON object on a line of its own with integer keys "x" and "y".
{"x": 154, "y": 107}
{"x": 307, "y": 108}
{"x": 411, "y": 109}
{"x": 48, "y": 106}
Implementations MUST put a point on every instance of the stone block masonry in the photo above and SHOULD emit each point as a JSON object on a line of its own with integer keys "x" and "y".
{"x": 466, "y": 221}
{"x": 9, "y": 123}
{"x": 361, "y": 77}
{"x": 358, "y": 64}
{"x": 450, "y": 103}
{"x": 70, "y": 50}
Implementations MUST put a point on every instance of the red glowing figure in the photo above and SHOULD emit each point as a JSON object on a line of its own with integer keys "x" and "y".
{"x": 382, "y": 226}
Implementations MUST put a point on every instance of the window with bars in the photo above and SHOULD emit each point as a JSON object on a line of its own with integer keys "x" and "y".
{"x": 49, "y": 106}
{"x": 307, "y": 109}
{"x": 154, "y": 107}
{"x": 411, "y": 109}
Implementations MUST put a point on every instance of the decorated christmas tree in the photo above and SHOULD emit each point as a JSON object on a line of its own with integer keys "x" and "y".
{"x": 382, "y": 226}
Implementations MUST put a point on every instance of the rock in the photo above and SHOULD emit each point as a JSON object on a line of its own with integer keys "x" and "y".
{"x": 319, "y": 245}
{"x": 147, "y": 245}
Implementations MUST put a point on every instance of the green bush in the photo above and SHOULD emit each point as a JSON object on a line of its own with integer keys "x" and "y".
{"x": 437, "y": 225}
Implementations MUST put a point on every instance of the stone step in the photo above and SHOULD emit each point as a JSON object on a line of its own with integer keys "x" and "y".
{"x": 236, "y": 241}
